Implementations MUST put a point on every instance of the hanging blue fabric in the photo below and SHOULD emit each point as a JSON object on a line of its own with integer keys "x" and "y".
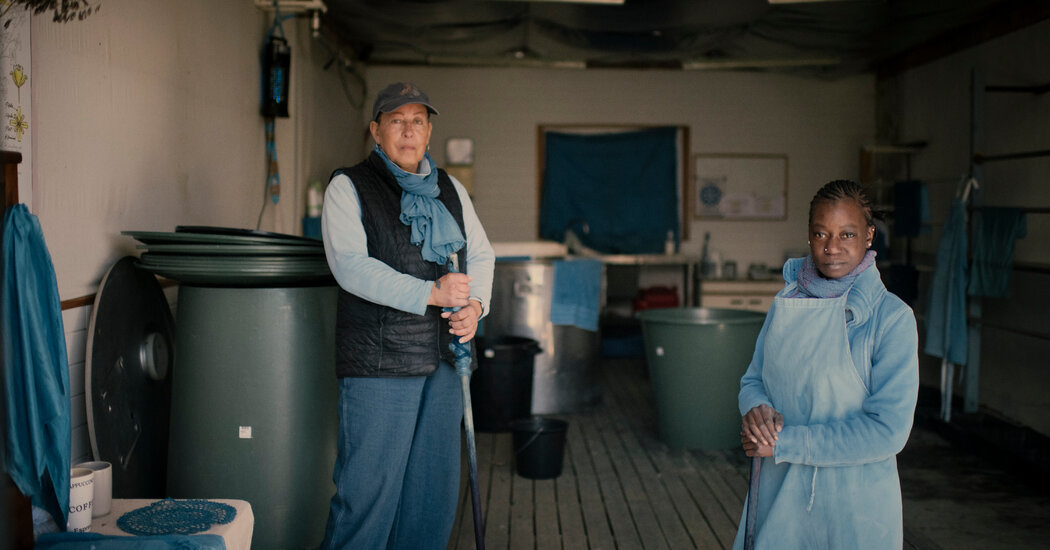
{"x": 946, "y": 308}
{"x": 576, "y": 293}
{"x": 618, "y": 192}
{"x": 36, "y": 369}
{"x": 996, "y": 231}
{"x": 911, "y": 208}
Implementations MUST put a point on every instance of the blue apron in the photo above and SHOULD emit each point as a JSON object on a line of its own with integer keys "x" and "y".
{"x": 810, "y": 378}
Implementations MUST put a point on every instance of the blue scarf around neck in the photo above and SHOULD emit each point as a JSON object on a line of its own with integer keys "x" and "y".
{"x": 433, "y": 227}
{"x": 814, "y": 285}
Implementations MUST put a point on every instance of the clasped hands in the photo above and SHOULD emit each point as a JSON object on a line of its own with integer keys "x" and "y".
{"x": 453, "y": 290}
{"x": 760, "y": 428}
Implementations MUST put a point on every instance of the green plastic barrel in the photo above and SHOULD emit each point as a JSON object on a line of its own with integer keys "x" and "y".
{"x": 696, "y": 357}
{"x": 254, "y": 406}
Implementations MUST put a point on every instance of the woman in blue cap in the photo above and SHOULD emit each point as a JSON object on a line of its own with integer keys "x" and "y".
{"x": 392, "y": 225}
{"x": 829, "y": 397}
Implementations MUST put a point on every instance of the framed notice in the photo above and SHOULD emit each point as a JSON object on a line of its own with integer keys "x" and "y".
{"x": 739, "y": 186}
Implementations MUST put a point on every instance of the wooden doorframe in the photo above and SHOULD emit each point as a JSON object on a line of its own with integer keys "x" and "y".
{"x": 16, "y": 517}
{"x": 9, "y": 161}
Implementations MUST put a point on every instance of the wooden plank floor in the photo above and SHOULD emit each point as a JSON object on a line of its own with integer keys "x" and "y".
{"x": 620, "y": 486}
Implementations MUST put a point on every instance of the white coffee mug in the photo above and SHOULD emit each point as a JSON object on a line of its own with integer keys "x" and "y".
{"x": 103, "y": 486}
{"x": 81, "y": 491}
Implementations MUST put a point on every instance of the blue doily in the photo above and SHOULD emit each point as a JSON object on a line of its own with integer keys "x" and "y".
{"x": 176, "y": 517}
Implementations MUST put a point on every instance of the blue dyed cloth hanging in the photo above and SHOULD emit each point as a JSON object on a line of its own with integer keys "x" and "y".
{"x": 946, "y": 308}
{"x": 618, "y": 192}
{"x": 996, "y": 231}
{"x": 576, "y": 294}
{"x": 36, "y": 369}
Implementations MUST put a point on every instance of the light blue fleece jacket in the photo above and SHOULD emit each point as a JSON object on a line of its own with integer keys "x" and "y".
{"x": 846, "y": 466}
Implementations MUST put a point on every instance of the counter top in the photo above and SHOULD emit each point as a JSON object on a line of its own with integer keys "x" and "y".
{"x": 649, "y": 259}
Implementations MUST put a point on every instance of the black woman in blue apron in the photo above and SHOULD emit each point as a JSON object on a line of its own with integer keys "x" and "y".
{"x": 829, "y": 397}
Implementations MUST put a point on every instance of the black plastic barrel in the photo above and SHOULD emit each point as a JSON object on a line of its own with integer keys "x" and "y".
{"x": 539, "y": 446}
{"x": 501, "y": 387}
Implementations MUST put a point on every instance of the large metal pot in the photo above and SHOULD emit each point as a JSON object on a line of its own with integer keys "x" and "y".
{"x": 565, "y": 378}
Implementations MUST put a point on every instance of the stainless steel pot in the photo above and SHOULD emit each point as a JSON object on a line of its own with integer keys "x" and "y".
{"x": 566, "y": 377}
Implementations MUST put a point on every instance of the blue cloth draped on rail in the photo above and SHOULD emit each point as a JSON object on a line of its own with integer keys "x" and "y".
{"x": 576, "y": 293}
{"x": 911, "y": 209}
{"x": 36, "y": 370}
{"x": 618, "y": 192}
{"x": 946, "y": 309}
{"x": 995, "y": 233}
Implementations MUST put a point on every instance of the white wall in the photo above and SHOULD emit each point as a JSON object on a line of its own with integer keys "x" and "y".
{"x": 932, "y": 103}
{"x": 820, "y": 125}
{"x": 147, "y": 117}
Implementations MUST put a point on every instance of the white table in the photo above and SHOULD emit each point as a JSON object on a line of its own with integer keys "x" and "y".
{"x": 237, "y": 534}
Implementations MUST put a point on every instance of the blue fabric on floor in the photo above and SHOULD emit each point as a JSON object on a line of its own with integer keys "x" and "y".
{"x": 995, "y": 233}
{"x": 577, "y": 293}
{"x": 96, "y": 541}
{"x": 946, "y": 306}
{"x": 36, "y": 370}
{"x": 911, "y": 209}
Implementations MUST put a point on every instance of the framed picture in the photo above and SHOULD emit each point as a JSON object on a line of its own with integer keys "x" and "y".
{"x": 739, "y": 186}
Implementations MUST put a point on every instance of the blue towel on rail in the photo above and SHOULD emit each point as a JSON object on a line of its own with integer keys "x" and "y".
{"x": 577, "y": 293}
{"x": 995, "y": 233}
{"x": 911, "y": 208}
{"x": 36, "y": 371}
{"x": 946, "y": 307}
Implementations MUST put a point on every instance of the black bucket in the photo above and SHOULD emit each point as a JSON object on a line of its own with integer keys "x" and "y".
{"x": 501, "y": 388}
{"x": 539, "y": 446}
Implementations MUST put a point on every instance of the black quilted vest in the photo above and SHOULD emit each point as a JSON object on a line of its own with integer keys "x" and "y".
{"x": 378, "y": 341}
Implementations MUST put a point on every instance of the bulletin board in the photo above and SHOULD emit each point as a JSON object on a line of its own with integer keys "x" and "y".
{"x": 739, "y": 186}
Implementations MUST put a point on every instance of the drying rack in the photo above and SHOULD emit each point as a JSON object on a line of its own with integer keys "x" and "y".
{"x": 978, "y": 90}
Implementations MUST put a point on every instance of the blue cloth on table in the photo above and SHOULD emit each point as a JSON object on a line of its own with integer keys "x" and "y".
{"x": 994, "y": 236}
{"x": 911, "y": 208}
{"x": 946, "y": 306}
{"x": 36, "y": 370}
{"x": 97, "y": 541}
{"x": 576, "y": 295}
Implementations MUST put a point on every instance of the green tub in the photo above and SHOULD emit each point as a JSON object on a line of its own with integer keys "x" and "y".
{"x": 696, "y": 358}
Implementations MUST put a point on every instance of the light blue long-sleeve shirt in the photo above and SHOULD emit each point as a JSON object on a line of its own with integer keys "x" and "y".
{"x": 884, "y": 346}
{"x": 346, "y": 247}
